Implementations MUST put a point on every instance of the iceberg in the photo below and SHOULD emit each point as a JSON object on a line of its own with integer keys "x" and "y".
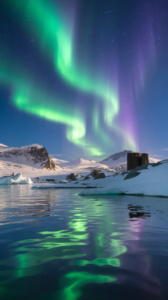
{"x": 15, "y": 179}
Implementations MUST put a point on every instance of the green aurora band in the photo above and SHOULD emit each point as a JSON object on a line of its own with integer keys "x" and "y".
{"x": 31, "y": 98}
{"x": 56, "y": 39}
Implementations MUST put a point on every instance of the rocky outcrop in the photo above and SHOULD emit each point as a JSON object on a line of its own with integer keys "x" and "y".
{"x": 96, "y": 174}
{"x": 39, "y": 155}
{"x": 33, "y": 155}
{"x": 100, "y": 175}
{"x": 50, "y": 165}
{"x": 72, "y": 176}
{"x": 87, "y": 177}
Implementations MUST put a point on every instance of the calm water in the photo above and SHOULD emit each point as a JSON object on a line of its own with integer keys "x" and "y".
{"x": 55, "y": 244}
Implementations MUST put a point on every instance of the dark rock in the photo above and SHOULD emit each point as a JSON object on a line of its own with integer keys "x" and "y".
{"x": 95, "y": 172}
{"x": 87, "y": 177}
{"x": 100, "y": 175}
{"x": 72, "y": 177}
{"x": 32, "y": 154}
{"x": 50, "y": 164}
{"x": 62, "y": 181}
{"x": 51, "y": 180}
{"x": 38, "y": 155}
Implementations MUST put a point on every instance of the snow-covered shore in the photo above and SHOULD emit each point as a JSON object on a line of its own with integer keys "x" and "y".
{"x": 149, "y": 179}
{"x": 30, "y": 161}
{"x": 27, "y": 163}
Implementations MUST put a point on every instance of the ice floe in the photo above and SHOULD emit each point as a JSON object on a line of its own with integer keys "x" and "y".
{"x": 15, "y": 179}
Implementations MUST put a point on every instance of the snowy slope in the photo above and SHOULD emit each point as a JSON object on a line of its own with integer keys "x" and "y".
{"x": 24, "y": 159}
{"x": 118, "y": 161}
{"x": 58, "y": 160}
{"x": 29, "y": 160}
{"x": 2, "y": 146}
{"x": 83, "y": 164}
{"x": 21, "y": 155}
{"x": 149, "y": 179}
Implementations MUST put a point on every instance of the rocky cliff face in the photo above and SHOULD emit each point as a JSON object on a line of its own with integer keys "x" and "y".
{"x": 33, "y": 155}
{"x": 50, "y": 165}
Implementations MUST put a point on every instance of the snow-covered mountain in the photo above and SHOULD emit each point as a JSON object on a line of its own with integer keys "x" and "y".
{"x": 118, "y": 161}
{"x": 81, "y": 163}
{"x": 2, "y": 146}
{"x": 34, "y": 161}
{"x": 57, "y": 160}
{"x": 34, "y": 156}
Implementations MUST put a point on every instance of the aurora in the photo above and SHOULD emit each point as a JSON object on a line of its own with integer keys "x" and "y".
{"x": 56, "y": 42}
{"x": 26, "y": 96}
{"x": 83, "y": 86}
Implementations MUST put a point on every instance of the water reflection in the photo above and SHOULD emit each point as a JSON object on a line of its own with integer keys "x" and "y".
{"x": 21, "y": 201}
{"x": 80, "y": 243}
{"x": 73, "y": 288}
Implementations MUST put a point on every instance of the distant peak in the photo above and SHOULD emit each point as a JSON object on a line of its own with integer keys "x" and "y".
{"x": 118, "y": 155}
{"x": 1, "y": 145}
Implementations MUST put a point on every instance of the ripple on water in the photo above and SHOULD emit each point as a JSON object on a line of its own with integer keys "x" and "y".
{"x": 55, "y": 244}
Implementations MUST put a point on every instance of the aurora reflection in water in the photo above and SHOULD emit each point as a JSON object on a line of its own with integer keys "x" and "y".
{"x": 58, "y": 245}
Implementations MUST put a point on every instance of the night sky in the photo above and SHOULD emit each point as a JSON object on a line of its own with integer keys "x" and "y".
{"x": 84, "y": 78}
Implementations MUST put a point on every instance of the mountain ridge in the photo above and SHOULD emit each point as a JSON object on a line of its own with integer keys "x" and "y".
{"x": 32, "y": 155}
{"x": 118, "y": 161}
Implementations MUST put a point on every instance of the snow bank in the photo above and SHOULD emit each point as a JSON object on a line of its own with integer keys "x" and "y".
{"x": 149, "y": 179}
{"x": 15, "y": 179}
